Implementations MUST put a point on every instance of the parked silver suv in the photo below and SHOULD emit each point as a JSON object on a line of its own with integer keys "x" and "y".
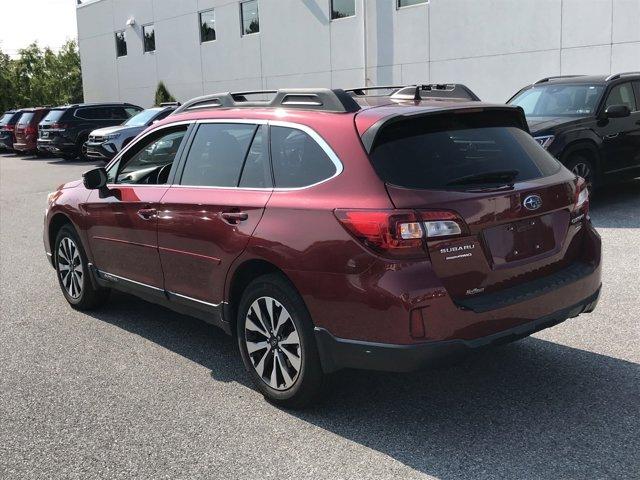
{"x": 104, "y": 143}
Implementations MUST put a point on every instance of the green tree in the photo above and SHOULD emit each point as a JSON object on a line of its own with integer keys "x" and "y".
{"x": 40, "y": 77}
{"x": 163, "y": 95}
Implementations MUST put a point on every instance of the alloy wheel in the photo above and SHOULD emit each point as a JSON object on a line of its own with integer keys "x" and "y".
{"x": 583, "y": 170}
{"x": 70, "y": 267}
{"x": 273, "y": 343}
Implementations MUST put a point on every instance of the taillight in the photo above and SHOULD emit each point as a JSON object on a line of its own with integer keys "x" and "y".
{"x": 399, "y": 233}
{"x": 30, "y": 130}
{"x": 9, "y": 128}
{"x": 581, "y": 202}
{"x": 59, "y": 126}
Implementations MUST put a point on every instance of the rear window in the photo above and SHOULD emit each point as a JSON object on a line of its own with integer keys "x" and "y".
{"x": 26, "y": 118}
{"x": 455, "y": 151}
{"x": 54, "y": 116}
{"x": 5, "y": 118}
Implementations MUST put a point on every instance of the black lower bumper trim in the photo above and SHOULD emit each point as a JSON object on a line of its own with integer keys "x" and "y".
{"x": 337, "y": 353}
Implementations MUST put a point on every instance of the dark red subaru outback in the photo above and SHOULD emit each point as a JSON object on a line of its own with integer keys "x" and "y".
{"x": 330, "y": 229}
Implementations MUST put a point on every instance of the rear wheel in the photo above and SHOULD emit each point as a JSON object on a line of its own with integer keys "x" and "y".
{"x": 73, "y": 272}
{"x": 582, "y": 166}
{"x": 276, "y": 342}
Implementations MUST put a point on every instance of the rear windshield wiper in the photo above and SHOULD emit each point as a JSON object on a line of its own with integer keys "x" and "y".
{"x": 496, "y": 177}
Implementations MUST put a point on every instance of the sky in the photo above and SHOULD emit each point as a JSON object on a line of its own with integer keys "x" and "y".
{"x": 49, "y": 22}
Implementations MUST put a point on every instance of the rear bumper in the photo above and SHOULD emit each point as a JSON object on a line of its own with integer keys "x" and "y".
{"x": 24, "y": 147}
{"x": 338, "y": 353}
{"x": 50, "y": 146}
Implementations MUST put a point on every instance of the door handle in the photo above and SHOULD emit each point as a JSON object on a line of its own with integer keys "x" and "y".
{"x": 147, "y": 213}
{"x": 612, "y": 135}
{"x": 234, "y": 217}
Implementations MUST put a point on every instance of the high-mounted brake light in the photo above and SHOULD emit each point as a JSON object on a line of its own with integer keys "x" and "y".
{"x": 398, "y": 233}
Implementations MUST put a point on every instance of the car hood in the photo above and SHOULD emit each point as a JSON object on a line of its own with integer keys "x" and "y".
{"x": 117, "y": 129}
{"x": 537, "y": 124}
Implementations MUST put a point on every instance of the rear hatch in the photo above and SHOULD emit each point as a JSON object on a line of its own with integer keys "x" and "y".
{"x": 497, "y": 209}
{"x": 51, "y": 125}
{"x": 22, "y": 127}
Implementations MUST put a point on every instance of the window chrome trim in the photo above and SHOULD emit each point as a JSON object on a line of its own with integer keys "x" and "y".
{"x": 326, "y": 148}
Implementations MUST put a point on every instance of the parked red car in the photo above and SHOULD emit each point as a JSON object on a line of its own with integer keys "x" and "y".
{"x": 330, "y": 229}
{"x": 26, "y": 132}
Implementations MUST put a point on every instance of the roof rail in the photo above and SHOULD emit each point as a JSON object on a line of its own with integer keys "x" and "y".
{"x": 324, "y": 99}
{"x": 362, "y": 91}
{"x": 546, "y": 79}
{"x": 170, "y": 104}
{"x": 435, "y": 90}
{"x": 615, "y": 76}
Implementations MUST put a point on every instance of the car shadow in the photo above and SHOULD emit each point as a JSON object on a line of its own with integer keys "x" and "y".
{"x": 533, "y": 409}
{"x": 617, "y": 206}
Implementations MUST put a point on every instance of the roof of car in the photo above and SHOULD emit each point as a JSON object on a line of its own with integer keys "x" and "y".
{"x": 95, "y": 104}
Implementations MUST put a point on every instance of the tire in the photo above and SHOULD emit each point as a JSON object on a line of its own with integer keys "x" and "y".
{"x": 69, "y": 156}
{"x": 74, "y": 282}
{"x": 283, "y": 352}
{"x": 583, "y": 166}
{"x": 82, "y": 152}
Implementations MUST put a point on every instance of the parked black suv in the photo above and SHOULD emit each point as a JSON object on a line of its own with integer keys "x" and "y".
{"x": 8, "y": 128}
{"x": 590, "y": 123}
{"x": 65, "y": 129}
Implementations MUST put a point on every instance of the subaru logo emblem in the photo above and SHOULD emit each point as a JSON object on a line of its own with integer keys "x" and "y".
{"x": 532, "y": 202}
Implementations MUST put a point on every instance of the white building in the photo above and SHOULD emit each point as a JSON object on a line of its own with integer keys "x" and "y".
{"x": 493, "y": 46}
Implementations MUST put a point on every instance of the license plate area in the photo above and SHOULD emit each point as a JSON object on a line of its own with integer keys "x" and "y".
{"x": 522, "y": 239}
{"x": 45, "y": 134}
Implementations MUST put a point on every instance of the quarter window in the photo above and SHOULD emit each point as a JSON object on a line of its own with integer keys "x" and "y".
{"x": 249, "y": 17}
{"x": 298, "y": 160}
{"x": 342, "y": 8}
{"x": 121, "y": 44}
{"x": 151, "y": 162}
{"x": 149, "y": 38}
{"x": 622, "y": 95}
{"x": 217, "y": 154}
{"x": 207, "y": 26}
{"x": 408, "y": 3}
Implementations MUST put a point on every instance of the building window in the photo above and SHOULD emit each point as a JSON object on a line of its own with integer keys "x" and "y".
{"x": 207, "y": 26}
{"x": 342, "y": 8}
{"x": 121, "y": 44}
{"x": 408, "y": 3}
{"x": 149, "y": 38}
{"x": 249, "y": 17}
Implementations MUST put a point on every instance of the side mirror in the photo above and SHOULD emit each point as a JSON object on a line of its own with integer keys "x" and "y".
{"x": 617, "y": 111}
{"x": 95, "y": 179}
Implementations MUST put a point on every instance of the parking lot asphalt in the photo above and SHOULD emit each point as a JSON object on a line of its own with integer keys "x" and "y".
{"x": 137, "y": 391}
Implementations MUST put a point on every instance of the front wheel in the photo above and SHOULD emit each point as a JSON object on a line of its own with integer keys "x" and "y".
{"x": 73, "y": 272}
{"x": 277, "y": 344}
{"x": 583, "y": 167}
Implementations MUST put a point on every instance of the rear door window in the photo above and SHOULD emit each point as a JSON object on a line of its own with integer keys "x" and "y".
{"x": 622, "y": 95}
{"x": 298, "y": 159}
{"x": 217, "y": 154}
{"x": 454, "y": 151}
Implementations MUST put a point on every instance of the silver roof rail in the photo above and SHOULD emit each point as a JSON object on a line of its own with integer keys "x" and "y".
{"x": 323, "y": 99}
{"x": 615, "y": 76}
{"x": 546, "y": 79}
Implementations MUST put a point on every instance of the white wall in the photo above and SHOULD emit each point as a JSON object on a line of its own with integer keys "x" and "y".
{"x": 493, "y": 46}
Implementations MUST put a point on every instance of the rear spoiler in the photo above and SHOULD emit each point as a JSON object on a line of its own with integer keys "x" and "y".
{"x": 515, "y": 113}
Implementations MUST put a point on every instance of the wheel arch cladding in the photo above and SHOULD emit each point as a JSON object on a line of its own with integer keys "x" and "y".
{"x": 243, "y": 275}
{"x": 55, "y": 224}
{"x": 585, "y": 146}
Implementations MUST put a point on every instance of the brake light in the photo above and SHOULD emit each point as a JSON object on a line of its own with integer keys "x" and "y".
{"x": 399, "y": 233}
{"x": 30, "y": 130}
{"x": 581, "y": 202}
{"x": 9, "y": 128}
{"x": 59, "y": 126}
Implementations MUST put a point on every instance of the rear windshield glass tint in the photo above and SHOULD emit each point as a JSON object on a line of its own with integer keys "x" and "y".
{"x": 54, "y": 115}
{"x": 25, "y": 118}
{"x": 5, "y": 118}
{"x": 437, "y": 152}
